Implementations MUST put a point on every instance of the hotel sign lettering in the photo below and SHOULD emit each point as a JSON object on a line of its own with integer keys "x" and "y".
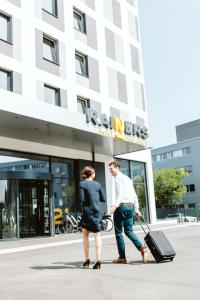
{"x": 117, "y": 128}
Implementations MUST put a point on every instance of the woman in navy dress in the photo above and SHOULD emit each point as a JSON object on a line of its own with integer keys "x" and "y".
{"x": 91, "y": 194}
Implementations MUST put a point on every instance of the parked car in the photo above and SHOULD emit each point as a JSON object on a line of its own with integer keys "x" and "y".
{"x": 182, "y": 217}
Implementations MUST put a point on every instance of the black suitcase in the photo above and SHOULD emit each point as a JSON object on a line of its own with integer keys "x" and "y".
{"x": 158, "y": 244}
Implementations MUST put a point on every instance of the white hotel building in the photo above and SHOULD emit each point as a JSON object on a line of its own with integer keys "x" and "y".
{"x": 57, "y": 59}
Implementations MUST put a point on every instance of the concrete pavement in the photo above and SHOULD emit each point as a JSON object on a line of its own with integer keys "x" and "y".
{"x": 54, "y": 272}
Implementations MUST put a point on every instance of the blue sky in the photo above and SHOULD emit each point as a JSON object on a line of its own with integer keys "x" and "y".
{"x": 170, "y": 34}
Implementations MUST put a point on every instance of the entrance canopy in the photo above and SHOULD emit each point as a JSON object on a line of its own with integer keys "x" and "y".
{"x": 48, "y": 124}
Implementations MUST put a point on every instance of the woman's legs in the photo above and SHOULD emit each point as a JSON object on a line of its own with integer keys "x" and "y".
{"x": 85, "y": 243}
{"x": 98, "y": 244}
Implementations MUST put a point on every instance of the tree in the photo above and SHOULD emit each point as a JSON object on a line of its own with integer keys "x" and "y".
{"x": 168, "y": 186}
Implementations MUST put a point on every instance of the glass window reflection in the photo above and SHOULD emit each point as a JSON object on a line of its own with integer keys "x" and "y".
{"x": 63, "y": 190}
{"x": 49, "y": 49}
{"x": 51, "y": 95}
{"x": 81, "y": 64}
{"x": 13, "y": 164}
{"x": 138, "y": 176}
{"x": 136, "y": 171}
{"x": 8, "y": 222}
{"x": 5, "y": 80}
{"x": 4, "y": 28}
{"x": 124, "y": 167}
{"x": 79, "y": 21}
{"x": 50, "y": 6}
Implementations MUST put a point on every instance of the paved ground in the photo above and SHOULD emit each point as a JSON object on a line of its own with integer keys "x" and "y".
{"x": 54, "y": 272}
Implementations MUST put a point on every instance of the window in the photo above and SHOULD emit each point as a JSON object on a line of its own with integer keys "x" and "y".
{"x": 82, "y": 104}
{"x": 50, "y": 6}
{"x": 177, "y": 153}
{"x": 50, "y": 49}
{"x": 190, "y": 188}
{"x": 192, "y": 205}
{"x": 156, "y": 157}
{"x": 173, "y": 154}
{"x": 51, "y": 95}
{"x": 186, "y": 151}
{"x": 79, "y": 21}
{"x": 81, "y": 64}
{"x": 164, "y": 156}
{"x": 5, "y": 80}
{"x": 5, "y": 28}
{"x": 170, "y": 155}
{"x": 181, "y": 152}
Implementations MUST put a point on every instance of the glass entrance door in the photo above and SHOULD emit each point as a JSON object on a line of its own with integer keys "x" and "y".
{"x": 33, "y": 208}
{"x": 137, "y": 172}
{"x": 8, "y": 210}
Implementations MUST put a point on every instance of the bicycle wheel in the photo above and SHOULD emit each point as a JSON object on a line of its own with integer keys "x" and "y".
{"x": 69, "y": 228}
{"x": 108, "y": 224}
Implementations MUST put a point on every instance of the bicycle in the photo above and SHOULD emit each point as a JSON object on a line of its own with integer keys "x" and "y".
{"x": 107, "y": 223}
{"x": 72, "y": 223}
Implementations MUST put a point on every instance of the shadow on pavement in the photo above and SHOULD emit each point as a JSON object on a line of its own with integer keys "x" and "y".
{"x": 141, "y": 263}
{"x": 64, "y": 265}
{"x": 78, "y": 265}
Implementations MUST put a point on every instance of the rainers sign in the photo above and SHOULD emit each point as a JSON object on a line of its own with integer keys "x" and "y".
{"x": 117, "y": 128}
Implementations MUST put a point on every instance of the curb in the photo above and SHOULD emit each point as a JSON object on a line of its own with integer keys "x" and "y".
{"x": 77, "y": 241}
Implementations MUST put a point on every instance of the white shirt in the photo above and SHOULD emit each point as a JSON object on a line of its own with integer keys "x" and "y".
{"x": 124, "y": 191}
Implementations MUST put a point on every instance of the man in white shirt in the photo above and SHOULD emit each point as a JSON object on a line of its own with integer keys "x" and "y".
{"x": 125, "y": 207}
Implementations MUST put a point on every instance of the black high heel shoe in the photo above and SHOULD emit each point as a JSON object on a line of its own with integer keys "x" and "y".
{"x": 97, "y": 265}
{"x": 86, "y": 264}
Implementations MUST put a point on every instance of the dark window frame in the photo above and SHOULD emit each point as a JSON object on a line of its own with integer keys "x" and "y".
{"x": 9, "y": 79}
{"x": 83, "y": 20}
{"x": 190, "y": 188}
{"x": 86, "y": 101}
{"x": 57, "y": 94}
{"x": 186, "y": 151}
{"x": 9, "y": 30}
{"x": 85, "y": 62}
{"x": 55, "y": 12}
{"x": 56, "y": 49}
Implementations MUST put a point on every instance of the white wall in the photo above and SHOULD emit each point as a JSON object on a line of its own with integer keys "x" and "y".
{"x": 30, "y": 19}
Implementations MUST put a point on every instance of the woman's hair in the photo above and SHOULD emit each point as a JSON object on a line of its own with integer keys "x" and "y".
{"x": 87, "y": 172}
{"x": 114, "y": 163}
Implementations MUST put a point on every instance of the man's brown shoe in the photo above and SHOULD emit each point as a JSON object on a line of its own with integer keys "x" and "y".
{"x": 144, "y": 253}
{"x": 120, "y": 261}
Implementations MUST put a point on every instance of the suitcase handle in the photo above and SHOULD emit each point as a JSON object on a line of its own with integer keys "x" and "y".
{"x": 144, "y": 222}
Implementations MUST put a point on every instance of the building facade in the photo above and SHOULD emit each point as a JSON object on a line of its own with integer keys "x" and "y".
{"x": 72, "y": 93}
{"x": 184, "y": 155}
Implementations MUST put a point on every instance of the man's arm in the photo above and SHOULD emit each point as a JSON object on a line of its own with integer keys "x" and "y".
{"x": 114, "y": 203}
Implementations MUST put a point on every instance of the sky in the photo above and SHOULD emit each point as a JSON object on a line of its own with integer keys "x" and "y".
{"x": 170, "y": 36}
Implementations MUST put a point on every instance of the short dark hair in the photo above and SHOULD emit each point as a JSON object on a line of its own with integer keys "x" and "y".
{"x": 87, "y": 171}
{"x": 114, "y": 163}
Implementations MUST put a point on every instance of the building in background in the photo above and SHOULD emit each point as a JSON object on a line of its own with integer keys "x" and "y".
{"x": 184, "y": 155}
{"x": 72, "y": 93}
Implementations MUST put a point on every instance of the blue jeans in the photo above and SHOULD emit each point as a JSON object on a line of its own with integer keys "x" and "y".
{"x": 123, "y": 219}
